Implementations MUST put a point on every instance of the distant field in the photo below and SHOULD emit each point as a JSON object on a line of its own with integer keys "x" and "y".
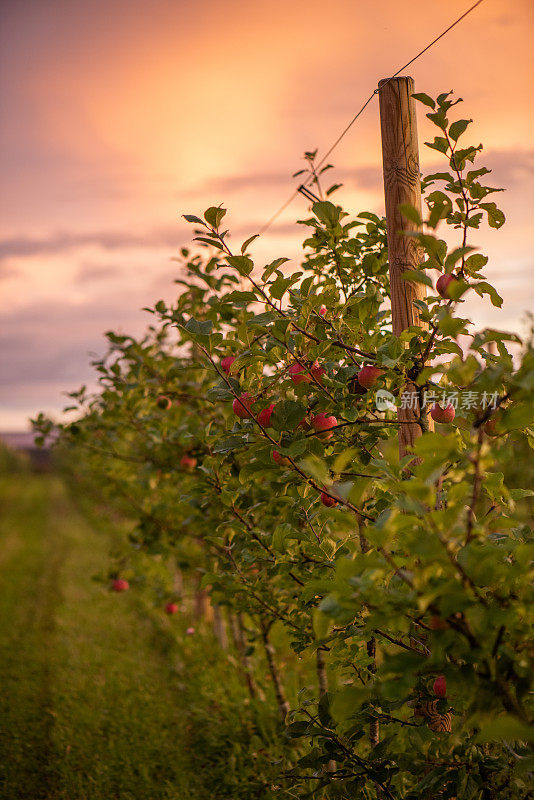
{"x": 89, "y": 703}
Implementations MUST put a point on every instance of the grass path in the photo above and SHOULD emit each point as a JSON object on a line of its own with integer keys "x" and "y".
{"x": 89, "y": 702}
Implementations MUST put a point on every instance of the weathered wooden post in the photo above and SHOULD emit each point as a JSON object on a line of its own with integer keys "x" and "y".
{"x": 402, "y": 185}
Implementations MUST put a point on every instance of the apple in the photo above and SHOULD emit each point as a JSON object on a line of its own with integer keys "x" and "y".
{"x": 171, "y": 608}
{"x": 442, "y": 415}
{"x": 164, "y": 402}
{"x": 317, "y": 371}
{"x": 322, "y": 311}
{"x": 368, "y": 376}
{"x": 264, "y": 417}
{"x": 187, "y": 462}
{"x": 190, "y": 631}
{"x": 443, "y": 283}
{"x": 440, "y": 686}
{"x": 298, "y": 374}
{"x": 226, "y": 363}
{"x": 322, "y": 424}
{"x": 120, "y": 585}
{"x": 241, "y": 405}
{"x": 281, "y": 460}
{"x": 328, "y": 501}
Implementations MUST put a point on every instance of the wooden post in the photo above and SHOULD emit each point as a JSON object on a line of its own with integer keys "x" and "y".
{"x": 402, "y": 184}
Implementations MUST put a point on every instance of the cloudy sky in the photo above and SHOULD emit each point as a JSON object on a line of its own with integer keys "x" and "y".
{"x": 118, "y": 116}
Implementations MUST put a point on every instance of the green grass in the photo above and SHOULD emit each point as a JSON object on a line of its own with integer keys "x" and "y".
{"x": 91, "y": 706}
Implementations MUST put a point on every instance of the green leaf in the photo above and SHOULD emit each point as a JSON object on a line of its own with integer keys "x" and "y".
{"x": 214, "y": 215}
{"x": 439, "y": 119}
{"x": 321, "y": 624}
{"x": 272, "y": 267}
{"x": 278, "y": 288}
{"x": 410, "y": 212}
{"x": 439, "y": 144}
{"x": 457, "y": 128}
{"x": 211, "y": 242}
{"x": 455, "y": 255}
{"x": 247, "y": 242}
{"x": 243, "y": 264}
{"x": 199, "y": 327}
{"x": 452, "y": 326}
{"x": 416, "y": 276}
{"x": 483, "y": 288}
{"x": 425, "y": 99}
{"x": 506, "y": 727}
{"x": 327, "y": 212}
{"x": 496, "y": 218}
{"x": 192, "y": 218}
{"x": 475, "y": 263}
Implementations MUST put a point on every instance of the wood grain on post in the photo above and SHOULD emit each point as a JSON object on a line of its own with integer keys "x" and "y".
{"x": 402, "y": 185}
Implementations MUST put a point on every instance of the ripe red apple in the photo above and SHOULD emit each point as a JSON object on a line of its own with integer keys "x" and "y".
{"x": 120, "y": 585}
{"x": 440, "y": 686}
{"x": 322, "y": 311}
{"x": 328, "y": 501}
{"x": 281, "y": 460}
{"x": 171, "y": 608}
{"x": 298, "y": 374}
{"x": 264, "y": 417}
{"x": 442, "y": 415}
{"x": 317, "y": 371}
{"x": 443, "y": 283}
{"x": 242, "y": 405}
{"x": 226, "y": 363}
{"x": 368, "y": 376}
{"x": 322, "y": 424}
{"x": 188, "y": 462}
{"x": 164, "y": 402}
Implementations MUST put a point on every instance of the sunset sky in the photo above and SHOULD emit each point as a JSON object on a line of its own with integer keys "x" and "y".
{"x": 119, "y": 116}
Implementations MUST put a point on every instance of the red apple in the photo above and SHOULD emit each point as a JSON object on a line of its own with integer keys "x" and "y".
{"x": 298, "y": 374}
{"x": 242, "y": 405}
{"x": 164, "y": 402}
{"x": 264, "y": 417}
{"x": 328, "y": 501}
{"x": 171, "y": 608}
{"x": 322, "y": 424}
{"x": 368, "y": 376}
{"x": 322, "y": 311}
{"x": 187, "y": 462}
{"x": 317, "y": 371}
{"x": 443, "y": 283}
{"x": 440, "y": 686}
{"x": 443, "y": 415}
{"x": 120, "y": 585}
{"x": 281, "y": 460}
{"x": 226, "y": 363}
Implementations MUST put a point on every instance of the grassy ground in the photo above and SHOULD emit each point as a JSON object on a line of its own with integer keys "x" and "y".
{"x": 90, "y": 705}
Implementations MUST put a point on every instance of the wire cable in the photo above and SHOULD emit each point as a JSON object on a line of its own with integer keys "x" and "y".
{"x": 360, "y": 112}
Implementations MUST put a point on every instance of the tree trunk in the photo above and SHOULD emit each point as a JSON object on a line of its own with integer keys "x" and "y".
{"x": 283, "y": 705}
